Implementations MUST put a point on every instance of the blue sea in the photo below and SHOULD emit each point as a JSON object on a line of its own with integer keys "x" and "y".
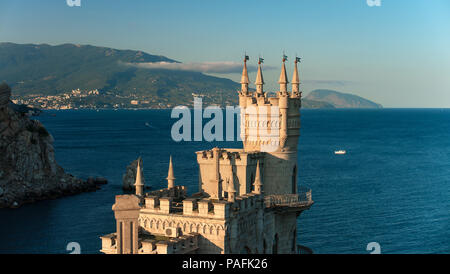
{"x": 392, "y": 187}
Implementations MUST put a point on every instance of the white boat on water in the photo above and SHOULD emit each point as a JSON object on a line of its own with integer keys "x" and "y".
{"x": 340, "y": 152}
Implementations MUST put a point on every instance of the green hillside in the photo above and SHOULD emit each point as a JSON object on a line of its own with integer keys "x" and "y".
{"x": 51, "y": 70}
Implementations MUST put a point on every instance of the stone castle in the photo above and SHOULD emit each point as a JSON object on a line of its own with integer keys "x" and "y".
{"x": 248, "y": 199}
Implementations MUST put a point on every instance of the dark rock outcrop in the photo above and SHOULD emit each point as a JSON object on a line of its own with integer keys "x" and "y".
{"x": 28, "y": 170}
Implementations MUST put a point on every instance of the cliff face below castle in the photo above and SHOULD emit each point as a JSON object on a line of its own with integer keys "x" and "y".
{"x": 28, "y": 170}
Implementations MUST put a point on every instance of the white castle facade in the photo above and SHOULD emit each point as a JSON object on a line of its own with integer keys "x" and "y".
{"x": 248, "y": 200}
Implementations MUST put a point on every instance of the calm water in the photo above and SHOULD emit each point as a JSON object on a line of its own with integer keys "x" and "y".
{"x": 392, "y": 187}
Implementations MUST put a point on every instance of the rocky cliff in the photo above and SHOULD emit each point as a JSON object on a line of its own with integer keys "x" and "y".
{"x": 28, "y": 170}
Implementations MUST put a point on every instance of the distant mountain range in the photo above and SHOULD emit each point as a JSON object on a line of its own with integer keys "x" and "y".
{"x": 336, "y": 99}
{"x": 51, "y": 70}
{"x": 45, "y": 71}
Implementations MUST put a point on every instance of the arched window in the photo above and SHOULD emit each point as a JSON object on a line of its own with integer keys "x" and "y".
{"x": 294, "y": 180}
{"x": 252, "y": 182}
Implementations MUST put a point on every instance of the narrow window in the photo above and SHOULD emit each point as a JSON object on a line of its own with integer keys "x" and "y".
{"x": 294, "y": 180}
{"x": 275, "y": 245}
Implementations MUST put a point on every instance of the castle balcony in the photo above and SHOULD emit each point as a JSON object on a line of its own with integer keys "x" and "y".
{"x": 296, "y": 202}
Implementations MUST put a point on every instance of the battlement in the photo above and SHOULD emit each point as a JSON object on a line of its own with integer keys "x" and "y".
{"x": 176, "y": 192}
{"x": 155, "y": 244}
{"x": 230, "y": 156}
{"x": 203, "y": 208}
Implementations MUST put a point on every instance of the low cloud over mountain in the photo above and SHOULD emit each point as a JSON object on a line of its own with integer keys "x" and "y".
{"x": 224, "y": 67}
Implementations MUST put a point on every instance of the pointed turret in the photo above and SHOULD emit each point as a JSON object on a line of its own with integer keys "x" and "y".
{"x": 295, "y": 79}
{"x": 231, "y": 192}
{"x": 138, "y": 184}
{"x": 258, "y": 184}
{"x": 283, "y": 81}
{"x": 244, "y": 77}
{"x": 170, "y": 177}
{"x": 259, "y": 79}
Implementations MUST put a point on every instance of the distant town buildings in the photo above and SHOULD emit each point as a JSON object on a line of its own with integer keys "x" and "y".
{"x": 94, "y": 99}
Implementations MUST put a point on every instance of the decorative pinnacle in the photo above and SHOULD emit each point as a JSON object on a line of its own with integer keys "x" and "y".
{"x": 138, "y": 181}
{"x": 258, "y": 175}
{"x": 170, "y": 175}
{"x": 259, "y": 77}
{"x": 244, "y": 78}
{"x": 283, "y": 76}
{"x": 295, "y": 78}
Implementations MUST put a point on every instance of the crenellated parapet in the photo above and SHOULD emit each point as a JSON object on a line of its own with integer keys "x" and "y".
{"x": 202, "y": 208}
{"x": 150, "y": 244}
{"x": 176, "y": 192}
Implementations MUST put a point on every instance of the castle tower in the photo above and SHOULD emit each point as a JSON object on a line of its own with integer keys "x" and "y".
{"x": 170, "y": 176}
{"x": 138, "y": 184}
{"x": 255, "y": 217}
{"x": 272, "y": 125}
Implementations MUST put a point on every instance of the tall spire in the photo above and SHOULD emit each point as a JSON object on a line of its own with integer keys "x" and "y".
{"x": 170, "y": 177}
{"x": 258, "y": 184}
{"x": 138, "y": 184}
{"x": 283, "y": 81}
{"x": 244, "y": 78}
{"x": 295, "y": 78}
{"x": 259, "y": 79}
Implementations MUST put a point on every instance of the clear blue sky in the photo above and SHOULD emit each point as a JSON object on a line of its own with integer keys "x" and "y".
{"x": 397, "y": 54}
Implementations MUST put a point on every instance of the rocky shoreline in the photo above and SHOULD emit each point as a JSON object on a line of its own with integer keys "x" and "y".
{"x": 28, "y": 170}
